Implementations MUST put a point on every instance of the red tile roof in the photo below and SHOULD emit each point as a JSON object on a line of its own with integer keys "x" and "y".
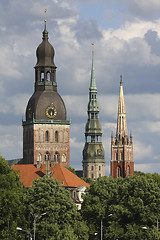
{"x": 28, "y": 173}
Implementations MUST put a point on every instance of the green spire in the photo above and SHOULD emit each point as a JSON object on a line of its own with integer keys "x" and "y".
{"x": 93, "y": 79}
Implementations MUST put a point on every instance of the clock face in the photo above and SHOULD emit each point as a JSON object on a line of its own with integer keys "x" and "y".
{"x": 99, "y": 151}
{"x": 51, "y": 112}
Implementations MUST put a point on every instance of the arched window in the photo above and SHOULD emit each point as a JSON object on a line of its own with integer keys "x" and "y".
{"x": 39, "y": 160}
{"x": 118, "y": 171}
{"x": 56, "y": 136}
{"x": 92, "y": 168}
{"x": 128, "y": 170}
{"x": 39, "y": 157}
{"x": 48, "y": 76}
{"x": 63, "y": 158}
{"x": 56, "y": 157}
{"x": 42, "y": 77}
{"x": 47, "y": 136}
{"x": 47, "y": 156}
{"x": 99, "y": 168}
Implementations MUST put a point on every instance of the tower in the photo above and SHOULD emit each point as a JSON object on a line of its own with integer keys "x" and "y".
{"x": 93, "y": 152}
{"x": 121, "y": 146}
{"x": 46, "y": 131}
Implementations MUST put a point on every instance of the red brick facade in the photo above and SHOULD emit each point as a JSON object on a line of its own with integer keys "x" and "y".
{"x": 122, "y": 159}
{"x": 122, "y": 163}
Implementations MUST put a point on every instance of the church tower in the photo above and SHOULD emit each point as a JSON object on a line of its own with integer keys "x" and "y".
{"x": 93, "y": 152}
{"x": 121, "y": 146}
{"x": 46, "y": 131}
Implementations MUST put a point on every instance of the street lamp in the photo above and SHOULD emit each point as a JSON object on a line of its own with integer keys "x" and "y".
{"x": 149, "y": 228}
{"x": 102, "y": 226}
{"x": 35, "y": 223}
{"x": 20, "y": 229}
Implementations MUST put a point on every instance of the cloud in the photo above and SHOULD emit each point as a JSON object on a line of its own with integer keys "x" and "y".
{"x": 147, "y": 167}
{"x": 141, "y": 151}
{"x": 11, "y": 146}
{"x": 144, "y": 9}
{"x": 129, "y": 46}
{"x": 153, "y": 40}
{"x": 143, "y": 106}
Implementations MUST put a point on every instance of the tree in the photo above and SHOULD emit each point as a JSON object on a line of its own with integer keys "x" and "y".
{"x": 62, "y": 220}
{"x": 125, "y": 206}
{"x": 72, "y": 170}
{"x": 87, "y": 179}
{"x": 11, "y": 202}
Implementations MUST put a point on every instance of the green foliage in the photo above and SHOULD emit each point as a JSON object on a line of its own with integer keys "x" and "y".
{"x": 62, "y": 220}
{"x": 71, "y": 170}
{"x": 87, "y": 180}
{"x": 11, "y": 202}
{"x": 134, "y": 202}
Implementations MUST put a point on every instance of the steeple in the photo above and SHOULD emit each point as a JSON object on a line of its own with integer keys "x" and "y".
{"x": 121, "y": 147}
{"x": 46, "y": 130}
{"x": 93, "y": 152}
{"x": 45, "y": 68}
{"x": 93, "y": 78}
{"x": 121, "y": 119}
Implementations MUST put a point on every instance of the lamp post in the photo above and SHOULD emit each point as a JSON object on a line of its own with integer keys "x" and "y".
{"x": 102, "y": 226}
{"x": 149, "y": 228}
{"x": 35, "y": 224}
{"x": 20, "y": 229}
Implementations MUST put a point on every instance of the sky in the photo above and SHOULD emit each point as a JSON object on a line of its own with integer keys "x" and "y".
{"x": 126, "y": 34}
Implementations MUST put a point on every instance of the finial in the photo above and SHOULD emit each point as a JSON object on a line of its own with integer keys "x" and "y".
{"x": 121, "y": 80}
{"x": 92, "y": 47}
{"x": 45, "y": 20}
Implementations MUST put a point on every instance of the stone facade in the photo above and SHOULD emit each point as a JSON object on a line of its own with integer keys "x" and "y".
{"x": 94, "y": 170}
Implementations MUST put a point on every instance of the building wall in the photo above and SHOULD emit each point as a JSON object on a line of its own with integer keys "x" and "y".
{"x": 122, "y": 158}
{"x": 93, "y": 170}
{"x": 47, "y": 140}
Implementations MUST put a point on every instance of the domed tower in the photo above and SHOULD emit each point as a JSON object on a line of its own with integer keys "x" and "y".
{"x": 93, "y": 152}
{"x": 121, "y": 146}
{"x": 46, "y": 131}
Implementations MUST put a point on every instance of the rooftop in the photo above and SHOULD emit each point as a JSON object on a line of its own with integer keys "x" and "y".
{"x": 29, "y": 172}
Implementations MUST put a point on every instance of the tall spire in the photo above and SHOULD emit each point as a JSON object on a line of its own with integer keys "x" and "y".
{"x": 93, "y": 79}
{"x": 121, "y": 146}
{"x": 121, "y": 118}
{"x": 93, "y": 152}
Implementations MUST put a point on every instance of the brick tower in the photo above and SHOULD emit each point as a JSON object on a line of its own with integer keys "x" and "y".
{"x": 46, "y": 131}
{"x": 93, "y": 152}
{"x": 121, "y": 146}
